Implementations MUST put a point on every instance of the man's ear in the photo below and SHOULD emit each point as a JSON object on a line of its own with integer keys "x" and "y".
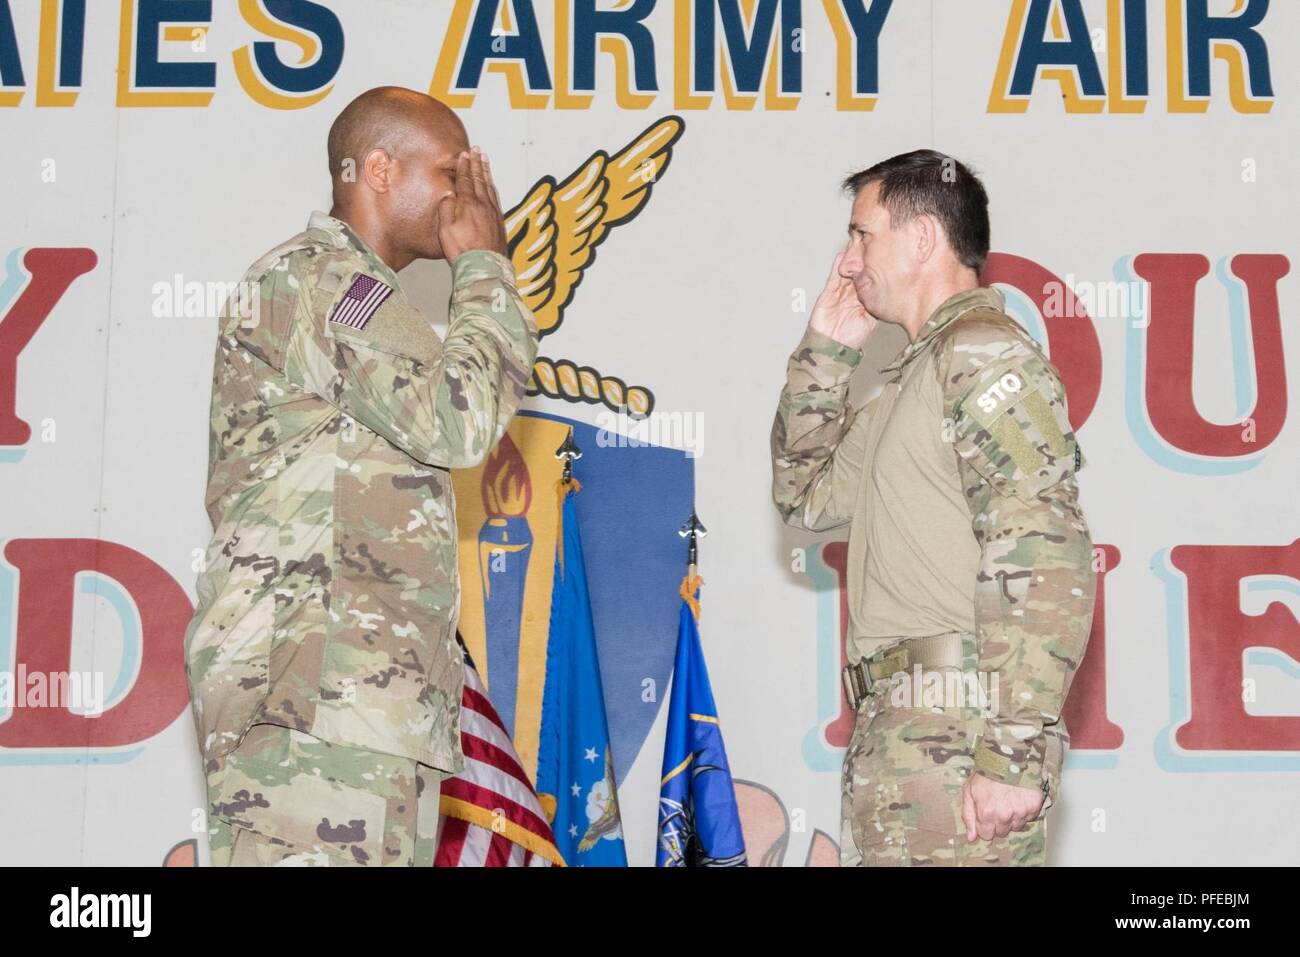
{"x": 377, "y": 170}
{"x": 925, "y": 236}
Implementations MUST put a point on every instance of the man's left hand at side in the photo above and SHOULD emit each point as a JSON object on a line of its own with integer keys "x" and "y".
{"x": 992, "y": 809}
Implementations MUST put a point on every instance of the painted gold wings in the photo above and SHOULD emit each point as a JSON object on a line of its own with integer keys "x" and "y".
{"x": 554, "y": 232}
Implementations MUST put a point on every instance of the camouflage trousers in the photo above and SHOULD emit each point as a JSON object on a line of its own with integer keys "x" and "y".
{"x": 284, "y": 798}
{"x": 901, "y": 785}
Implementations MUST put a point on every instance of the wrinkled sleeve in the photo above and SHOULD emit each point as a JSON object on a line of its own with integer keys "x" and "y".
{"x": 1017, "y": 457}
{"x": 818, "y": 438}
{"x": 445, "y": 404}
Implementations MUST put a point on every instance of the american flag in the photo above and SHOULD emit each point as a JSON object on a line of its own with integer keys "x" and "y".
{"x": 359, "y": 303}
{"x": 490, "y": 815}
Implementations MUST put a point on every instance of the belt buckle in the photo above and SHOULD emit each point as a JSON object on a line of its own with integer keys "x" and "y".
{"x": 859, "y": 677}
{"x": 856, "y": 683}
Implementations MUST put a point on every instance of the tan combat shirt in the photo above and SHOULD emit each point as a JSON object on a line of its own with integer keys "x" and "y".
{"x": 958, "y": 483}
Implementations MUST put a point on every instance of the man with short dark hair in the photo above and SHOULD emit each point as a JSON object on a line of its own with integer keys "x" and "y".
{"x": 322, "y": 658}
{"x": 970, "y": 581}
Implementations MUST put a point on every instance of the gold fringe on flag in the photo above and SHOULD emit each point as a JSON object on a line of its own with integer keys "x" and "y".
{"x": 690, "y": 584}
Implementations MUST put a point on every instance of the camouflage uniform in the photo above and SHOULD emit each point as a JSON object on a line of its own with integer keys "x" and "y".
{"x": 329, "y": 594}
{"x": 284, "y": 798}
{"x": 958, "y": 483}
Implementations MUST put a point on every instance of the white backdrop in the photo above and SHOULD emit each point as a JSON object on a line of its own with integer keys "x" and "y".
{"x": 700, "y": 299}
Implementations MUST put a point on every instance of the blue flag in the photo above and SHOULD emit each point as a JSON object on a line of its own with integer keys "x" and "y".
{"x": 699, "y": 824}
{"x": 575, "y": 767}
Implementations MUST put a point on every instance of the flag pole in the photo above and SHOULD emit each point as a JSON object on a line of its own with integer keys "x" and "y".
{"x": 692, "y": 530}
{"x": 568, "y": 452}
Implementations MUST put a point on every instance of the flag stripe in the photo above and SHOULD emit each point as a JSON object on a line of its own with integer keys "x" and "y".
{"x": 512, "y": 796}
{"x": 477, "y": 816}
{"x": 499, "y": 851}
{"x": 499, "y": 760}
{"x": 490, "y": 813}
{"x": 473, "y": 850}
{"x": 492, "y": 802}
{"x": 482, "y": 721}
{"x": 451, "y": 842}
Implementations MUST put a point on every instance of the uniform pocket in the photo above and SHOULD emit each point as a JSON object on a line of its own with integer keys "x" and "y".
{"x": 272, "y": 788}
{"x": 907, "y": 777}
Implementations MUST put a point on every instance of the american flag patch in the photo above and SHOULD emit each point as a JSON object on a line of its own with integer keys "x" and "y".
{"x": 360, "y": 302}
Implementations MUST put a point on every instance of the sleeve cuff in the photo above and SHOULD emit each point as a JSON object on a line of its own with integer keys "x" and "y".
{"x": 484, "y": 262}
{"x": 823, "y": 345}
{"x": 1028, "y": 768}
{"x": 480, "y": 274}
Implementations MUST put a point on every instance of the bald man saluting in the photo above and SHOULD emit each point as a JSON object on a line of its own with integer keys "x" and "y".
{"x": 322, "y": 658}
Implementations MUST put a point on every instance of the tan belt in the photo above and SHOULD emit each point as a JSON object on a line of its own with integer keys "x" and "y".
{"x": 930, "y": 651}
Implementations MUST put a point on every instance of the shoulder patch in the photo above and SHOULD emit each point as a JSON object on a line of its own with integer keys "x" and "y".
{"x": 364, "y": 295}
{"x": 350, "y": 305}
{"x": 1007, "y": 408}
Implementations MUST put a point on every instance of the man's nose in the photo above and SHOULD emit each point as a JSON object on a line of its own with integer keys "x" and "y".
{"x": 851, "y": 264}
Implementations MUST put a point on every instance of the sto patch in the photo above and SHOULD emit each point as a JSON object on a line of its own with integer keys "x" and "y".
{"x": 1012, "y": 428}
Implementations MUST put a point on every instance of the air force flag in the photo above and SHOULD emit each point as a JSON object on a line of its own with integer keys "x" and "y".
{"x": 575, "y": 767}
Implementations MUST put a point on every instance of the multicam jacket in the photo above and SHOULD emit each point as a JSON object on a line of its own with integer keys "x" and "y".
{"x": 329, "y": 593}
{"x": 958, "y": 482}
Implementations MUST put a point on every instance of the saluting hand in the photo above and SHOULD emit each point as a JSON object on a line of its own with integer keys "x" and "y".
{"x": 470, "y": 216}
{"x": 839, "y": 313}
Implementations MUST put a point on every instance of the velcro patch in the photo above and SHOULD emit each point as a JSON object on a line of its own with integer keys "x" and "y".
{"x": 1013, "y": 429}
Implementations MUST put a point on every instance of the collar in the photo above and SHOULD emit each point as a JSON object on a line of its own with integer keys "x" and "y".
{"x": 324, "y": 228}
{"x": 963, "y": 302}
